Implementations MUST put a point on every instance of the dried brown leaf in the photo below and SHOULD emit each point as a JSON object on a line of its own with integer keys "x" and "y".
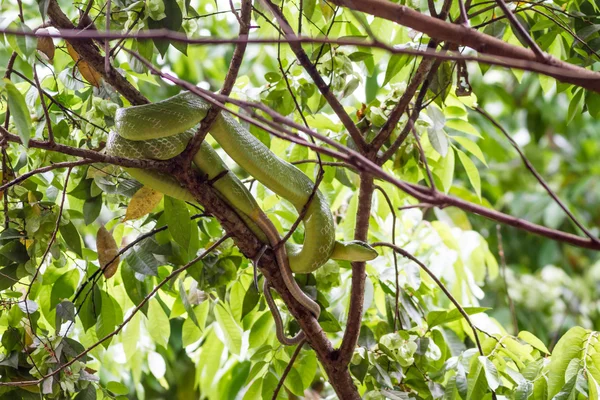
{"x": 107, "y": 251}
{"x": 45, "y": 44}
{"x": 88, "y": 73}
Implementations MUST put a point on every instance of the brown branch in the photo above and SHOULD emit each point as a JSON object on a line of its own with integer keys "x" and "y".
{"x": 575, "y": 75}
{"x": 359, "y": 275}
{"x": 462, "y": 35}
{"x": 539, "y": 54}
{"x": 304, "y": 61}
{"x": 402, "y": 105}
{"x": 27, "y": 175}
{"x": 423, "y": 72}
{"x": 412, "y": 118}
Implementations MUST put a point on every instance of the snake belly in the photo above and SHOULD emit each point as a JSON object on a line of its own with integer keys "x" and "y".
{"x": 165, "y": 120}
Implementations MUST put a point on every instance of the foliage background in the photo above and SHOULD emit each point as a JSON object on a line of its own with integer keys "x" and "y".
{"x": 207, "y": 332}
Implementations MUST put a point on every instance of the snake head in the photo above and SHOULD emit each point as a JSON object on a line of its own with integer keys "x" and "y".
{"x": 354, "y": 250}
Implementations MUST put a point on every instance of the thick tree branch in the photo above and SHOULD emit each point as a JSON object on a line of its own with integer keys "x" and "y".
{"x": 584, "y": 77}
{"x": 464, "y": 36}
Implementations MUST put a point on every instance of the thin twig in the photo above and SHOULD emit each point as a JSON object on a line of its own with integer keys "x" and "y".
{"x": 511, "y": 304}
{"x": 316, "y": 77}
{"x": 541, "y": 56}
{"x": 41, "y": 170}
{"x": 460, "y": 309}
{"x": 52, "y": 238}
{"x": 396, "y": 270}
{"x": 44, "y": 107}
{"x": 537, "y": 176}
{"x": 287, "y": 369}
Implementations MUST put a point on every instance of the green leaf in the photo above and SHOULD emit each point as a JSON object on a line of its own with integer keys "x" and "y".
{"x": 64, "y": 287}
{"x": 491, "y": 372}
{"x": 272, "y": 77}
{"x": 471, "y": 147}
{"x": 462, "y": 126}
{"x": 91, "y": 209}
{"x": 107, "y": 320}
{"x": 575, "y": 105}
{"x": 435, "y": 318}
{"x": 142, "y": 262}
{"x": 178, "y": 219}
{"x": 476, "y": 380}
{"x": 309, "y": 8}
{"x": 11, "y": 339}
{"x": 472, "y": 172}
{"x": 71, "y": 238}
{"x": 90, "y": 309}
{"x": 231, "y": 331}
{"x": 569, "y": 347}
{"x": 186, "y": 303}
{"x": 117, "y": 388}
{"x": 43, "y": 7}
{"x": 396, "y": 63}
{"x": 136, "y": 290}
{"x": 251, "y": 299}
{"x": 445, "y": 170}
{"x": 89, "y": 393}
{"x": 530, "y": 338}
{"x": 438, "y": 140}
{"x": 172, "y": 21}
{"x": 260, "y": 331}
{"x": 158, "y": 324}
{"x": 18, "y": 111}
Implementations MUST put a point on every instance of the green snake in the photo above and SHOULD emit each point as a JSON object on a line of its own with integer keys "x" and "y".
{"x": 162, "y": 130}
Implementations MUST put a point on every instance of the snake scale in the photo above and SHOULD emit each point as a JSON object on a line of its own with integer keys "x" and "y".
{"x": 162, "y": 130}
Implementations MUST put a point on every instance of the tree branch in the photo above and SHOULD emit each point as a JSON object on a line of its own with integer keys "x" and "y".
{"x": 465, "y": 36}
{"x": 359, "y": 275}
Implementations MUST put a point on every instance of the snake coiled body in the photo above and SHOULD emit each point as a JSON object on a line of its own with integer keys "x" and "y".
{"x": 162, "y": 130}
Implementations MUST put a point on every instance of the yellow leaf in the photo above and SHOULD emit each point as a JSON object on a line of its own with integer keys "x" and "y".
{"x": 33, "y": 201}
{"x": 45, "y": 44}
{"x": 107, "y": 252}
{"x": 142, "y": 202}
{"x": 27, "y": 242}
{"x": 88, "y": 73}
